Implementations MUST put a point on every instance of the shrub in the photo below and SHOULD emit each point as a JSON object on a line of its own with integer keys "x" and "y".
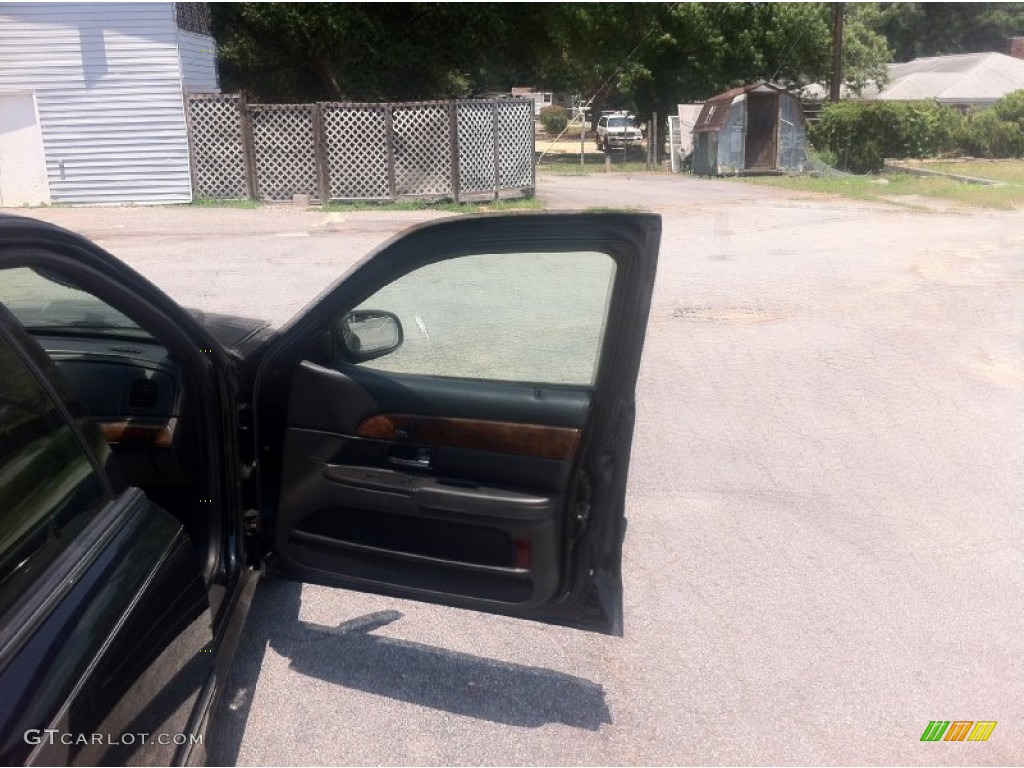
{"x": 861, "y": 134}
{"x": 1011, "y": 107}
{"x": 987, "y": 136}
{"x": 999, "y": 131}
{"x": 554, "y": 118}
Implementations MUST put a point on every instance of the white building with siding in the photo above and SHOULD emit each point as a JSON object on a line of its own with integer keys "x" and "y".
{"x": 92, "y": 100}
{"x": 541, "y": 99}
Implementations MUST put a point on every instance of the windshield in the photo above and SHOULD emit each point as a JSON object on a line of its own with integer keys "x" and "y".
{"x": 620, "y": 122}
{"x": 44, "y": 302}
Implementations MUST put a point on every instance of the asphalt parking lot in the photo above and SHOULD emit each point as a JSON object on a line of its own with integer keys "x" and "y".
{"x": 826, "y": 542}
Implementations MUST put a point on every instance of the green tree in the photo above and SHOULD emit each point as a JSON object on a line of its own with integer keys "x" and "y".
{"x": 646, "y": 56}
{"x": 937, "y": 29}
{"x": 369, "y": 51}
{"x": 655, "y": 55}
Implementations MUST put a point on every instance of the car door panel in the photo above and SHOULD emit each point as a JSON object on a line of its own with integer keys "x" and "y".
{"x": 106, "y": 617}
{"x": 495, "y": 494}
{"x": 120, "y": 653}
{"x": 488, "y": 506}
{"x": 428, "y": 529}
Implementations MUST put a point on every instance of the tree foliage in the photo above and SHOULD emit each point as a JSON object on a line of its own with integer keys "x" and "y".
{"x": 370, "y": 51}
{"x": 654, "y": 55}
{"x": 643, "y": 56}
{"x": 938, "y": 29}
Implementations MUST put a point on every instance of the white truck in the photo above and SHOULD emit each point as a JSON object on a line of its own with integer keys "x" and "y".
{"x": 617, "y": 130}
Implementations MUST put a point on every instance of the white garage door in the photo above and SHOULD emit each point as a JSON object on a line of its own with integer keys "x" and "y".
{"x": 22, "y": 162}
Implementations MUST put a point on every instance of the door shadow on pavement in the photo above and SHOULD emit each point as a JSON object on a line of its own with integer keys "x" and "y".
{"x": 350, "y": 655}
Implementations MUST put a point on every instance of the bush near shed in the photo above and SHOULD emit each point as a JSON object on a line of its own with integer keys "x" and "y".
{"x": 861, "y": 134}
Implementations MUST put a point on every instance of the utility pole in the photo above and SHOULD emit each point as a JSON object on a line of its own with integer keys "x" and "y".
{"x": 837, "y": 52}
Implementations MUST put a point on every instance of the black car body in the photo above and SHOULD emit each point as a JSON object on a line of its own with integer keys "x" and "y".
{"x": 151, "y": 469}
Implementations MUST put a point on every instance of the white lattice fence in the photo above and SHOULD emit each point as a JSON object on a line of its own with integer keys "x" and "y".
{"x": 219, "y": 165}
{"x": 421, "y": 143}
{"x": 360, "y": 151}
{"x": 284, "y": 145}
{"x": 515, "y": 144}
{"x": 356, "y": 145}
{"x": 476, "y": 146}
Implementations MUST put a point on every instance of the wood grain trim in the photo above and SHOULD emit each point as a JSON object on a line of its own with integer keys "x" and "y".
{"x": 475, "y": 434}
{"x": 160, "y": 435}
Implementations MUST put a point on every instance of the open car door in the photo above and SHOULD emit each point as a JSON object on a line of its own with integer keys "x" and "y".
{"x": 452, "y": 421}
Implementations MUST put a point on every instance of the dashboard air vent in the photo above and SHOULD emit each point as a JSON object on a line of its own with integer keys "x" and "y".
{"x": 143, "y": 394}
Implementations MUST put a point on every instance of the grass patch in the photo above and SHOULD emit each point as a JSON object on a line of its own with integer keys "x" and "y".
{"x": 484, "y": 206}
{"x": 206, "y": 202}
{"x": 567, "y": 163}
{"x": 874, "y": 188}
{"x": 575, "y": 169}
{"x": 1007, "y": 171}
{"x": 449, "y": 206}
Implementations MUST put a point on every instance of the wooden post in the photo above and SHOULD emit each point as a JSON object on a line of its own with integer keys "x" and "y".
{"x": 323, "y": 168}
{"x": 248, "y": 149}
{"x": 650, "y": 143}
{"x": 583, "y": 131}
{"x": 453, "y": 144}
{"x": 497, "y": 149}
{"x": 837, "y": 53}
{"x": 390, "y": 130}
{"x": 657, "y": 143}
{"x": 533, "y": 163}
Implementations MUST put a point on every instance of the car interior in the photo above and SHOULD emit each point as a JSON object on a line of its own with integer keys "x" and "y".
{"x": 131, "y": 385}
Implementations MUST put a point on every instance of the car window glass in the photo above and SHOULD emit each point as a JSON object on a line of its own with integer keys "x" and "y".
{"x": 528, "y": 317}
{"x": 48, "y": 487}
{"x": 45, "y": 301}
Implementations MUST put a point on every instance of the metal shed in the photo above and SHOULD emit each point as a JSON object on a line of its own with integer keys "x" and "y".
{"x": 756, "y": 128}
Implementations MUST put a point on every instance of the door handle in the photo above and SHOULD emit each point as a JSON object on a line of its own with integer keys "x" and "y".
{"x": 415, "y": 463}
{"x": 418, "y": 458}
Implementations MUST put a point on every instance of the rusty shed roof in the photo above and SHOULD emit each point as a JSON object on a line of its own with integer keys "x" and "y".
{"x": 712, "y": 116}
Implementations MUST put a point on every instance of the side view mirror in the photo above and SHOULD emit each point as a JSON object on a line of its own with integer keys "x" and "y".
{"x": 366, "y": 334}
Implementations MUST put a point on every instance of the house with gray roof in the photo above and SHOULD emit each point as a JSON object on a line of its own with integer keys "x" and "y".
{"x": 965, "y": 80}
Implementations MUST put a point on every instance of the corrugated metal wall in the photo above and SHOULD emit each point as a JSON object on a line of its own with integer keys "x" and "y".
{"x": 792, "y": 136}
{"x": 108, "y": 85}
{"x": 731, "y": 136}
{"x": 198, "y": 62}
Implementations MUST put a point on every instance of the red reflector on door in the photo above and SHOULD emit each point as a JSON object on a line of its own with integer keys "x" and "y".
{"x": 524, "y": 557}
